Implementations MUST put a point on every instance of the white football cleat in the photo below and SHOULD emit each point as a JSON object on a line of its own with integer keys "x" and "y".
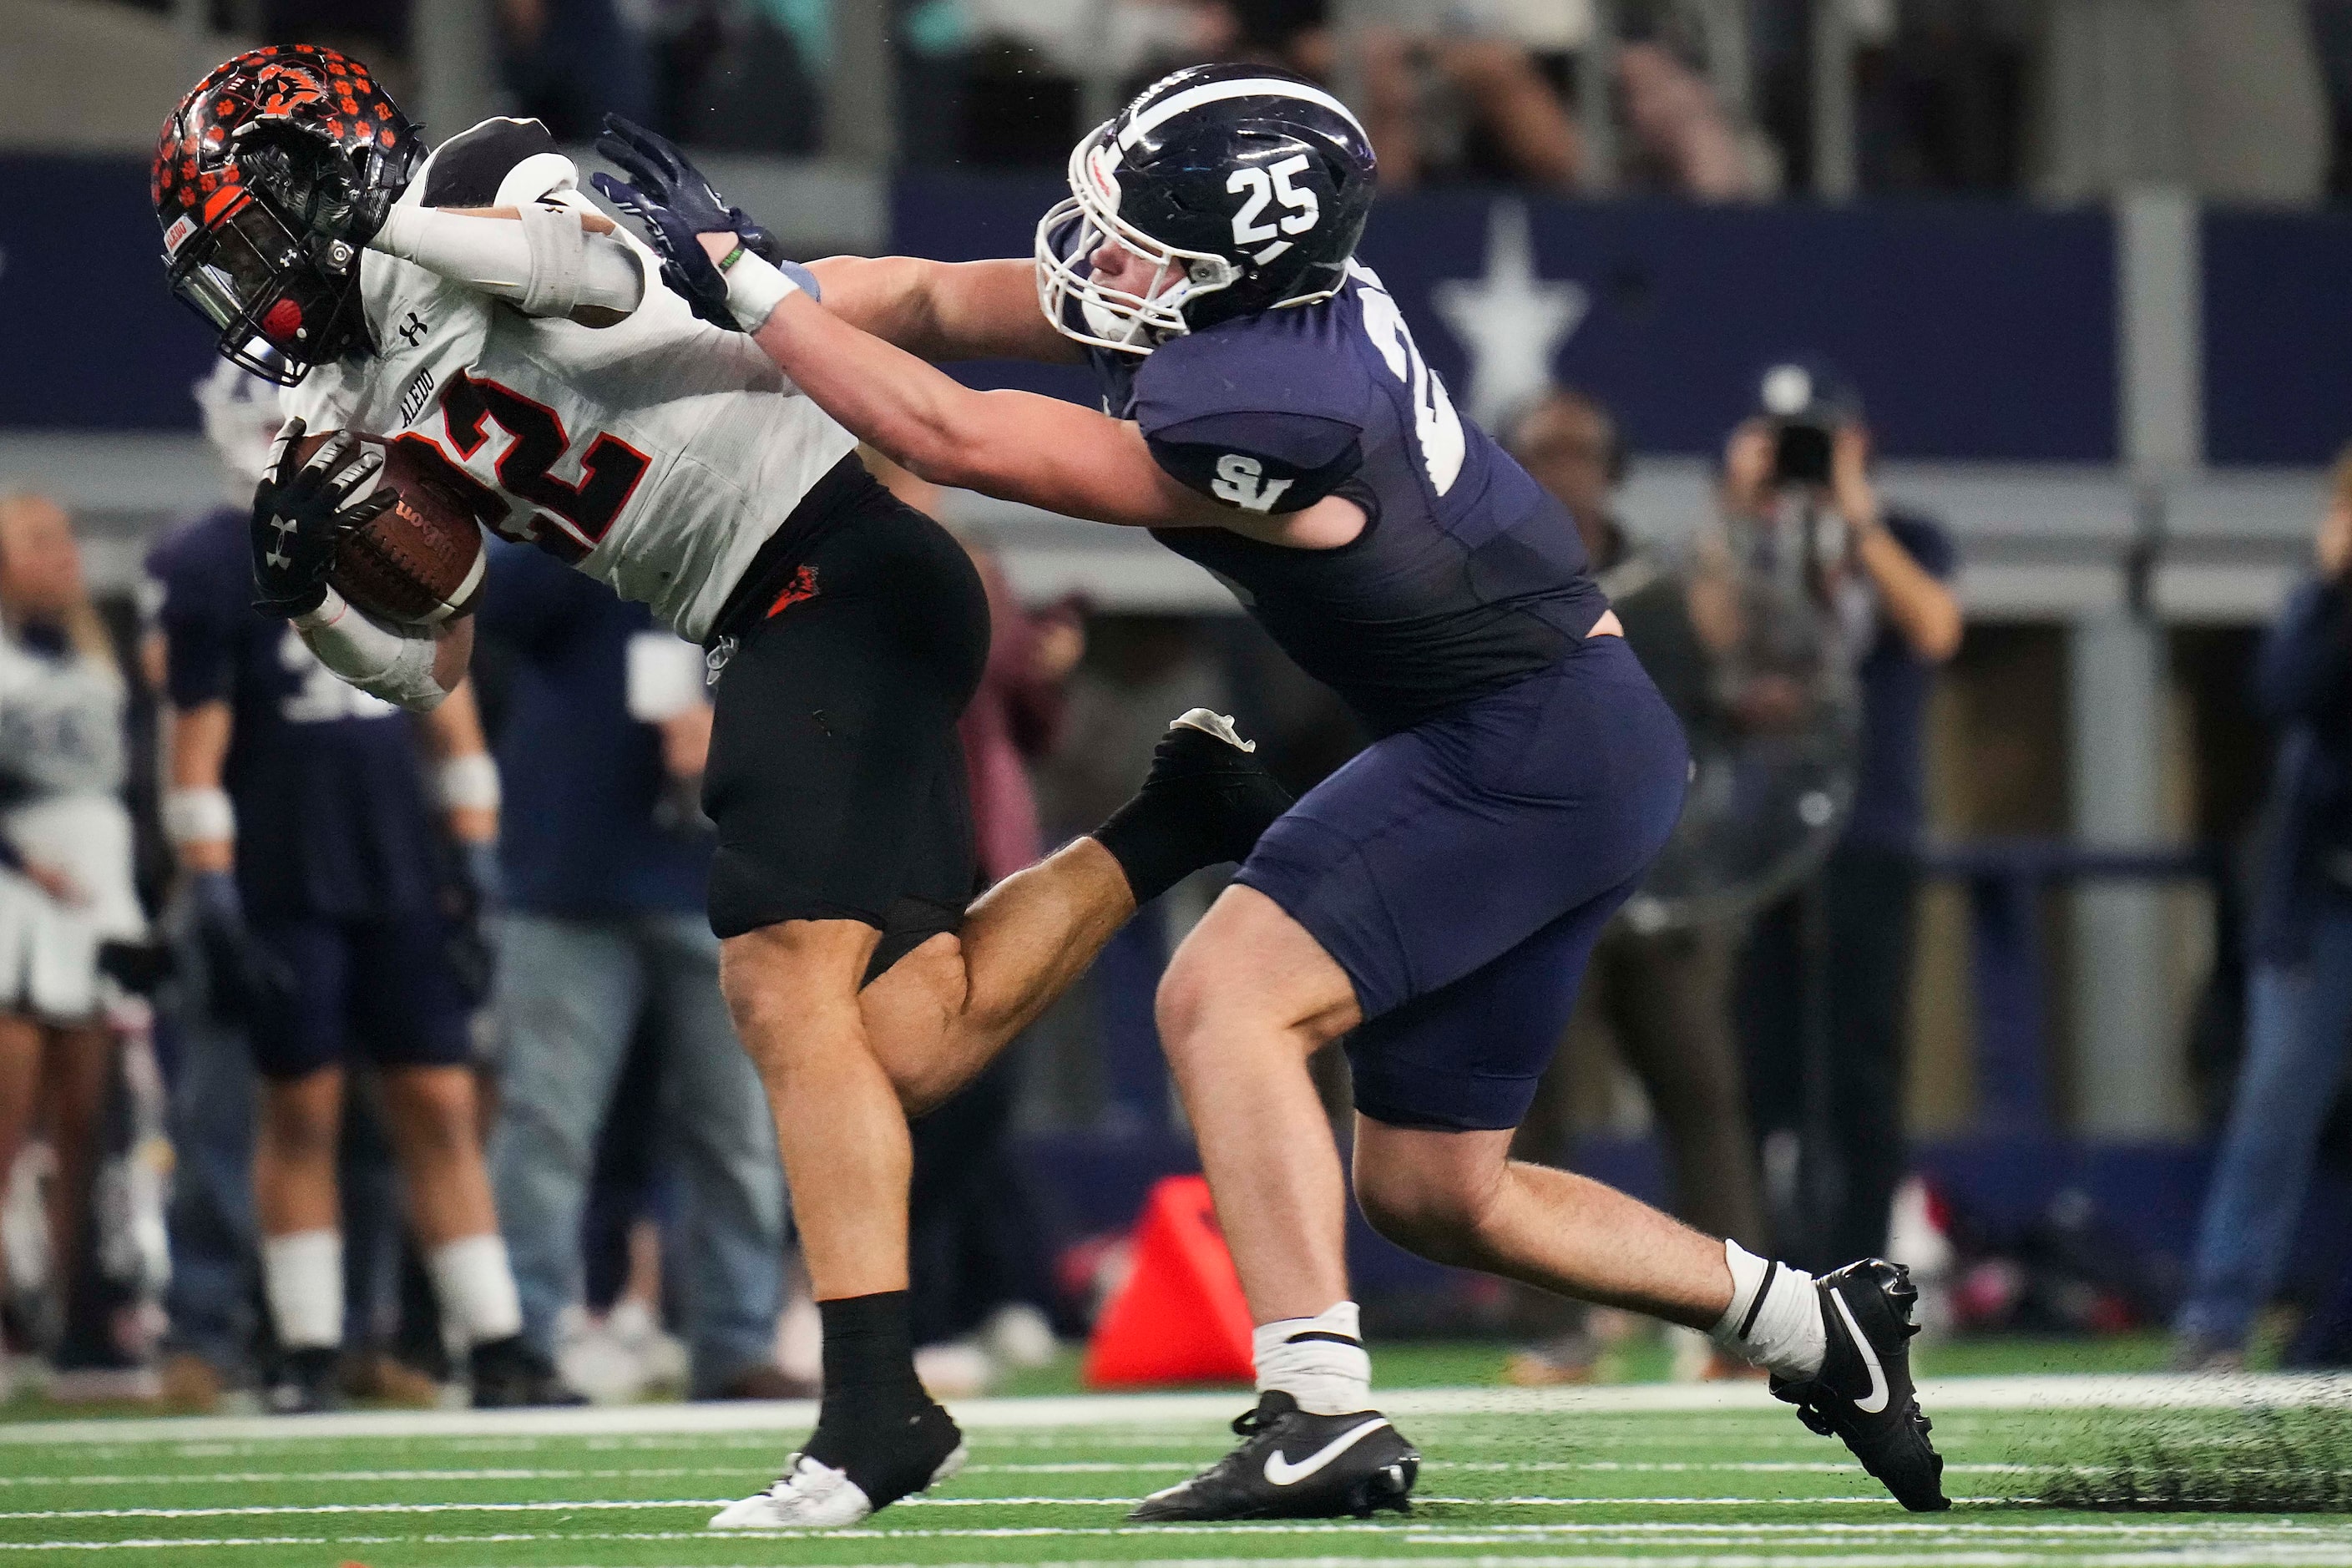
{"x": 813, "y": 1496}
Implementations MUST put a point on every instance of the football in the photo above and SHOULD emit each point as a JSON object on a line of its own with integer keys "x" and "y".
{"x": 422, "y": 561}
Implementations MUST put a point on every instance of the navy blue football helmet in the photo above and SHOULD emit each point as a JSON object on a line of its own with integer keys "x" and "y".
{"x": 1245, "y": 186}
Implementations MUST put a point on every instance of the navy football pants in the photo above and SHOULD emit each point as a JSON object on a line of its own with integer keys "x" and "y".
{"x": 1460, "y": 871}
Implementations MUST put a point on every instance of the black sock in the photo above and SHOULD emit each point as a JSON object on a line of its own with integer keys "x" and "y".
{"x": 876, "y": 1424}
{"x": 869, "y": 1366}
{"x": 1138, "y": 837}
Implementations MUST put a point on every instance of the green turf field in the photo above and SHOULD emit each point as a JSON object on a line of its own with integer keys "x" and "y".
{"x": 1696, "y": 1476}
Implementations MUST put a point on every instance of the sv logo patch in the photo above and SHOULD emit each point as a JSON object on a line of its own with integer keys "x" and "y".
{"x": 1241, "y": 480}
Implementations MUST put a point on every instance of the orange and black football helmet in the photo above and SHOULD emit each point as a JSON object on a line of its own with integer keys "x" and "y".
{"x": 269, "y": 179}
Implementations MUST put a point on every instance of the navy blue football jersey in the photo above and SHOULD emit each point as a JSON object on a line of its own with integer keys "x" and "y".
{"x": 332, "y": 809}
{"x": 1468, "y": 575}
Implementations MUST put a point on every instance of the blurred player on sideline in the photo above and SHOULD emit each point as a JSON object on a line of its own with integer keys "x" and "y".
{"x": 1267, "y": 413}
{"x": 302, "y": 817}
{"x": 472, "y": 302}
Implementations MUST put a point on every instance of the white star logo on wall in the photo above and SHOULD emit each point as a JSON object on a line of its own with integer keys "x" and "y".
{"x": 1510, "y": 321}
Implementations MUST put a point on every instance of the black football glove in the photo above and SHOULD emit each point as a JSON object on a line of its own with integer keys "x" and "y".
{"x": 675, "y": 204}
{"x": 300, "y": 515}
{"x": 472, "y": 898}
{"x": 242, "y": 978}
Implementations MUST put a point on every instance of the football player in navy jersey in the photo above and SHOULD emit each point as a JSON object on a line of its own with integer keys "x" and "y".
{"x": 1267, "y": 413}
{"x": 303, "y": 819}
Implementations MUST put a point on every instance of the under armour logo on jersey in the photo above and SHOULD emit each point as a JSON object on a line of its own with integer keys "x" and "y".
{"x": 1242, "y": 481}
{"x": 412, "y": 331}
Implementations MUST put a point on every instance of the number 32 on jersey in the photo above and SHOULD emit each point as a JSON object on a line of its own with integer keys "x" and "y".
{"x": 570, "y": 518}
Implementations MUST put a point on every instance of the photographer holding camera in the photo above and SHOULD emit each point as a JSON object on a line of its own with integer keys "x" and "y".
{"x": 1797, "y": 496}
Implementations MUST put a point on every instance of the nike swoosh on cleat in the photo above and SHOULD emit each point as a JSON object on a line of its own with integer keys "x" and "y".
{"x": 1877, "y": 1402}
{"x": 1281, "y": 1472}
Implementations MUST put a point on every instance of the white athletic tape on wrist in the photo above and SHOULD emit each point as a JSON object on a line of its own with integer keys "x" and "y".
{"x": 381, "y": 660}
{"x": 468, "y": 783}
{"x": 558, "y": 251}
{"x": 198, "y": 815}
{"x": 755, "y": 286}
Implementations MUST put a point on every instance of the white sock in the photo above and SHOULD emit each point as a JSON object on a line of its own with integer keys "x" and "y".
{"x": 1775, "y": 1317}
{"x": 302, "y": 1275}
{"x": 475, "y": 1286}
{"x": 1320, "y": 1362}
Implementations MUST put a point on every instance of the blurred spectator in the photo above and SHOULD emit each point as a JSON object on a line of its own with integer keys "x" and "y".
{"x": 324, "y": 930}
{"x": 1426, "y": 71}
{"x": 572, "y": 62}
{"x": 744, "y": 75}
{"x": 1679, "y": 137}
{"x": 2331, "y": 39}
{"x": 1940, "y": 97}
{"x": 1664, "y": 998}
{"x": 2299, "y": 986}
{"x": 66, "y": 886}
{"x": 211, "y": 1301}
{"x": 1488, "y": 88}
{"x": 1293, "y": 33}
{"x": 602, "y": 741}
{"x": 1797, "y": 487}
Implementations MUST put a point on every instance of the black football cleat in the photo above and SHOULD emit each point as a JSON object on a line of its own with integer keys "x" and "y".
{"x": 1864, "y": 1393}
{"x": 1291, "y": 1465}
{"x": 305, "y": 1383}
{"x": 511, "y": 1373}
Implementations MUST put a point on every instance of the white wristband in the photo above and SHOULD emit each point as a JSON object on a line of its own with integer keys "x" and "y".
{"x": 755, "y": 286}
{"x": 470, "y": 782}
{"x": 198, "y": 815}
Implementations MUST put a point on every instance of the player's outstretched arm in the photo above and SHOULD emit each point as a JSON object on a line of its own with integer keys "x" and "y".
{"x": 945, "y": 309}
{"x": 939, "y": 311}
{"x": 1014, "y": 445}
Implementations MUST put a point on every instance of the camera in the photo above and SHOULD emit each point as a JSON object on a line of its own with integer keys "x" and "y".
{"x": 1800, "y": 454}
{"x": 1807, "y": 402}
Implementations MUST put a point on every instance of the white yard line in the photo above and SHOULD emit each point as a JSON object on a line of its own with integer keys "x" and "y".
{"x": 1712, "y": 1560}
{"x": 1941, "y": 1396}
{"x": 2211, "y": 1547}
{"x": 337, "y": 1477}
{"x": 277, "y": 1510}
{"x": 1074, "y": 1468}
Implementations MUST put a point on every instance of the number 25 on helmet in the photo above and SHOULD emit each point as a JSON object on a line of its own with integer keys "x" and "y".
{"x": 1242, "y": 186}
{"x": 269, "y": 179}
